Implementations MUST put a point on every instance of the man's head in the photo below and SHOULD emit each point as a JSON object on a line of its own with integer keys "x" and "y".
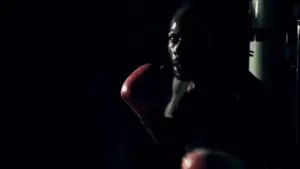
{"x": 189, "y": 42}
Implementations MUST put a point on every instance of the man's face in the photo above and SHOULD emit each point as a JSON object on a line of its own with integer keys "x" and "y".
{"x": 185, "y": 46}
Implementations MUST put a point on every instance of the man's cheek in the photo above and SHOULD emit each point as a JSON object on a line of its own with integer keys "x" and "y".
{"x": 170, "y": 49}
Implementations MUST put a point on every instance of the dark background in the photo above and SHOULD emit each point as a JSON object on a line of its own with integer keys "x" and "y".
{"x": 108, "y": 125}
{"x": 65, "y": 62}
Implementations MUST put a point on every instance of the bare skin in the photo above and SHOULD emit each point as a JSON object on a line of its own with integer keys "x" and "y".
{"x": 184, "y": 47}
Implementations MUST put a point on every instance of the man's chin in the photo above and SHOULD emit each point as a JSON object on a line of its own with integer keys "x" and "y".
{"x": 182, "y": 76}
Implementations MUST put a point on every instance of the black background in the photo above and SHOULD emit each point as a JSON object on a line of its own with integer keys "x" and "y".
{"x": 64, "y": 63}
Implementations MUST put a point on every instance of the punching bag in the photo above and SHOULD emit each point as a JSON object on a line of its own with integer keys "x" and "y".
{"x": 271, "y": 21}
{"x": 269, "y": 32}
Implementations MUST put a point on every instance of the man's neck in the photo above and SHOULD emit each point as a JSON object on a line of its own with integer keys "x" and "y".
{"x": 178, "y": 89}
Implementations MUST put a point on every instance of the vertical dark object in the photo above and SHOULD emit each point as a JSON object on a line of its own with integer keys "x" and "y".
{"x": 297, "y": 83}
{"x": 230, "y": 34}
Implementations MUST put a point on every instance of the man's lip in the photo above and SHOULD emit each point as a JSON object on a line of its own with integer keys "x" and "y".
{"x": 176, "y": 62}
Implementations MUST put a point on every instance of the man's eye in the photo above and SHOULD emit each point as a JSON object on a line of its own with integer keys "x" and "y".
{"x": 174, "y": 39}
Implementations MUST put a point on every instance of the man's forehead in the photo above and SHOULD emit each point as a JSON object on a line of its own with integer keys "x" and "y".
{"x": 183, "y": 28}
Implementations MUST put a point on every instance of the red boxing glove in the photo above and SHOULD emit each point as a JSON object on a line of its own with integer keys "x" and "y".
{"x": 142, "y": 89}
{"x": 194, "y": 160}
{"x": 147, "y": 91}
{"x": 208, "y": 159}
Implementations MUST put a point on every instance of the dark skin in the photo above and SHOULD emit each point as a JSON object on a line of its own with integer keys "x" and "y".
{"x": 187, "y": 41}
{"x": 195, "y": 59}
{"x": 190, "y": 49}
